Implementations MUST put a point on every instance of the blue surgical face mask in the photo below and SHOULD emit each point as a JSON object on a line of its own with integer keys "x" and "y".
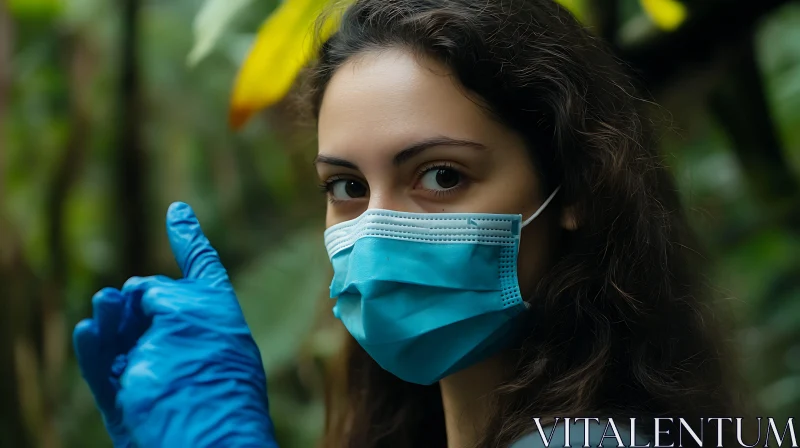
{"x": 428, "y": 294}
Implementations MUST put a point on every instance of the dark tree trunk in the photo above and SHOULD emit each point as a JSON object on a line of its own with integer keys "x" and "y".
{"x": 77, "y": 67}
{"x": 131, "y": 163}
{"x": 14, "y": 431}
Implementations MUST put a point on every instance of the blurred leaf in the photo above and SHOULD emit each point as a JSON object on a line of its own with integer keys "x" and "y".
{"x": 757, "y": 262}
{"x": 279, "y": 294}
{"x": 327, "y": 341}
{"x": 35, "y": 9}
{"x": 275, "y": 167}
{"x": 237, "y": 46}
{"x": 576, "y": 7}
{"x": 81, "y": 12}
{"x": 86, "y": 226}
{"x": 666, "y": 14}
{"x": 210, "y": 24}
{"x": 298, "y": 424}
{"x": 284, "y": 44}
{"x": 779, "y": 56}
{"x": 82, "y": 424}
{"x": 779, "y": 40}
{"x": 781, "y": 393}
{"x": 785, "y": 318}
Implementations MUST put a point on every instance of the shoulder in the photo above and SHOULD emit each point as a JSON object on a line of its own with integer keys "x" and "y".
{"x": 581, "y": 432}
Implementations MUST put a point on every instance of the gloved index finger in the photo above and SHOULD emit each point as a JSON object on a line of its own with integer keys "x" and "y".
{"x": 192, "y": 250}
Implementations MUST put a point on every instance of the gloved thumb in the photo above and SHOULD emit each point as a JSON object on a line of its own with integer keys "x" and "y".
{"x": 192, "y": 250}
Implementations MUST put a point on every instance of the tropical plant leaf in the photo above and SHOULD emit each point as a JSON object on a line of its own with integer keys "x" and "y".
{"x": 576, "y": 7}
{"x": 283, "y": 45}
{"x": 665, "y": 14}
{"x": 279, "y": 294}
{"x": 210, "y": 23}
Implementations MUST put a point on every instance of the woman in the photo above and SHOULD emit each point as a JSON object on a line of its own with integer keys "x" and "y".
{"x": 445, "y": 127}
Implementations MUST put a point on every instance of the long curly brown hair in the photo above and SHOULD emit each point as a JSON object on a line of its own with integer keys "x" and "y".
{"x": 621, "y": 325}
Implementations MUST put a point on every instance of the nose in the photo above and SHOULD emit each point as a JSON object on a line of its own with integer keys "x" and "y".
{"x": 384, "y": 200}
{"x": 390, "y": 200}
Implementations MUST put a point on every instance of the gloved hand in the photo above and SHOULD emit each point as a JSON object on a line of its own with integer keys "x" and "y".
{"x": 194, "y": 378}
{"x": 102, "y": 345}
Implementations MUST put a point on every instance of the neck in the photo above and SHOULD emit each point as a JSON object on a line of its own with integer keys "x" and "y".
{"x": 467, "y": 398}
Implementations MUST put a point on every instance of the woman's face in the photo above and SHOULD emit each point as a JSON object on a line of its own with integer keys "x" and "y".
{"x": 397, "y": 133}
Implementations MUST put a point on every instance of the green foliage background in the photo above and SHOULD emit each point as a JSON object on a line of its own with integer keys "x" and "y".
{"x": 256, "y": 195}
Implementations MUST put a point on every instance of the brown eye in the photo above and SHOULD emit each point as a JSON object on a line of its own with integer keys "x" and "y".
{"x": 440, "y": 179}
{"x": 345, "y": 189}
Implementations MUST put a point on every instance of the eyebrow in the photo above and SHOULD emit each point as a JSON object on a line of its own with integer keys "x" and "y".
{"x": 335, "y": 161}
{"x": 406, "y": 154}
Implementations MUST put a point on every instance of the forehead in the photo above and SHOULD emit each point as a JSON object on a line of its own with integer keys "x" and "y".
{"x": 385, "y": 100}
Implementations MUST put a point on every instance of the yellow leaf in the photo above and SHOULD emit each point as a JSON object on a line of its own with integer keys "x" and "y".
{"x": 283, "y": 45}
{"x": 666, "y": 14}
{"x": 573, "y": 6}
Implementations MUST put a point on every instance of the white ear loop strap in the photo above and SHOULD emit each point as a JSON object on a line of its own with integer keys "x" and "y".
{"x": 541, "y": 209}
{"x": 529, "y": 220}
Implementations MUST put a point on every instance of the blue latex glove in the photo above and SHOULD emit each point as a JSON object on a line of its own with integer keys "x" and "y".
{"x": 101, "y": 346}
{"x": 194, "y": 378}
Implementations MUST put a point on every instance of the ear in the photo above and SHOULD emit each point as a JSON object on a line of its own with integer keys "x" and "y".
{"x": 569, "y": 218}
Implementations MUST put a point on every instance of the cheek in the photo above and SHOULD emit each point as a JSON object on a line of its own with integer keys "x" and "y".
{"x": 535, "y": 254}
{"x": 331, "y": 217}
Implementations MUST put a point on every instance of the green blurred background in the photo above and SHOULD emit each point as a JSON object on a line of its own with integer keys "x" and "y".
{"x": 110, "y": 110}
